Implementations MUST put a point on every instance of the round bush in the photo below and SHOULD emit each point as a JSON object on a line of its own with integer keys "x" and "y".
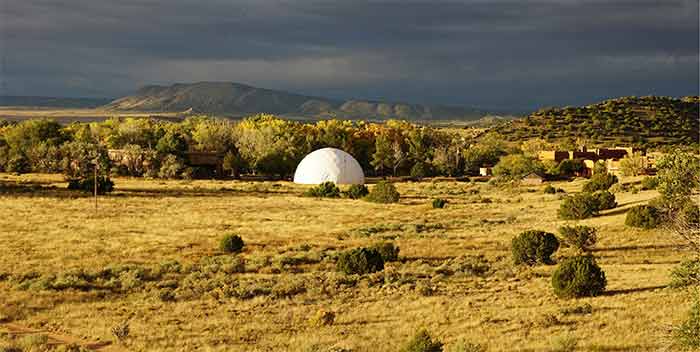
{"x": 580, "y": 206}
{"x": 533, "y": 247}
{"x": 580, "y": 237}
{"x": 600, "y": 182}
{"x": 388, "y": 251}
{"x": 578, "y": 276}
{"x": 383, "y": 192}
{"x": 549, "y": 189}
{"x": 643, "y": 216}
{"x": 439, "y": 203}
{"x": 605, "y": 200}
{"x": 360, "y": 261}
{"x": 327, "y": 189}
{"x": 357, "y": 191}
{"x": 422, "y": 342}
{"x": 231, "y": 244}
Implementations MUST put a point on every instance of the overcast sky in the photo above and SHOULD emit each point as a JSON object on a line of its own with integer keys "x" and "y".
{"x": 490, "y": 53}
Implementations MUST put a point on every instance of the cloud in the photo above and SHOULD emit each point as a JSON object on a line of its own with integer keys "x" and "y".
{"x": 487, "y": 53}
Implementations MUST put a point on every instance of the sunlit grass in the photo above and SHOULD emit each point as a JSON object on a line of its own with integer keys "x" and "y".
{"x": 148, "y": 222}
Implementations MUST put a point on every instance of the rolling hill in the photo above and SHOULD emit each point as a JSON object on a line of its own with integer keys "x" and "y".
{"x": 629, "y": 120}
{"x": 234, "y": 99}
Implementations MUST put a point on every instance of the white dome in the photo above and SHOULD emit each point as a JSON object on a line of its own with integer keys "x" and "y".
{"x": 329, "y": 164}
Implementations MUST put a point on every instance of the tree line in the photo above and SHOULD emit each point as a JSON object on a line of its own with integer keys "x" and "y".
{"x": 260, "y": 145}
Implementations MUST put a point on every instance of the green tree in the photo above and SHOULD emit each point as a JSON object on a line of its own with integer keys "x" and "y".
{"x": 516, "y": 166}
{"x": 632, "y": 164}
{"x": 382, "y": 158}
{"x": 678, "y": 175}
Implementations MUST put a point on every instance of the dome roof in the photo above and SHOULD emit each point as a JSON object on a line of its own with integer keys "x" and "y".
{"x": 329, "y": 164}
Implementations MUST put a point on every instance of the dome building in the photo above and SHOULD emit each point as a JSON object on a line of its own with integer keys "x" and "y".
{"x": 329, "y": 164}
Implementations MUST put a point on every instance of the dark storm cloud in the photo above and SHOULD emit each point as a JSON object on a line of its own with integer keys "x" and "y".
{"x": 487, "y": 53}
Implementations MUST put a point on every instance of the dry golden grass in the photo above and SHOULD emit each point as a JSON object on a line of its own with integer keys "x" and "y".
{"x": 51, "y": 230}
{"x": 68, "y": 115}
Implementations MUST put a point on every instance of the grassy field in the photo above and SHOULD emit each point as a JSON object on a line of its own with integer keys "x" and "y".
{"x": 68, "y": 115}
{"x": 177, "y": 291}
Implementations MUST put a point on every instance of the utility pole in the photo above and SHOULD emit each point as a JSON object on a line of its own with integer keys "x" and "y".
{"x": 95, "y": 184}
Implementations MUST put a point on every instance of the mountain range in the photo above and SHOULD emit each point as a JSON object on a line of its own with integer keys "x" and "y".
{"x": 235, "y": 100}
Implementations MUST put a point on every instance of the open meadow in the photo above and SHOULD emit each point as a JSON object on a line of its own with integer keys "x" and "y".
{"x": 149, "y": 257}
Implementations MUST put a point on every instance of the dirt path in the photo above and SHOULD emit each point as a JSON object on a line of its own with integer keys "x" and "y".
{"x": 60, "y": 339}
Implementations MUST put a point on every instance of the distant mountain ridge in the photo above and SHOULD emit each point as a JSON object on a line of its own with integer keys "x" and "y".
{"x": 235, "y": 99}
{"x": 54, "y": 102}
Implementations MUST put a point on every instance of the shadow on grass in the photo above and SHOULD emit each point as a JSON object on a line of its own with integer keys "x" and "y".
{"x": 37, "y": 190}
{"x": 633, "y": 290}
{"x": 637, "y": 247}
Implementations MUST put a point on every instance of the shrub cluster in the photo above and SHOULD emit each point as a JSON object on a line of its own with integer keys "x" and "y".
{"x": 357, "y": 192}
{"x": 439, "y": 203}
{"x": 599, "y": 182}
{"x": 422, "y": 342}
{"x": 578, "y": 276}
{"x": 383, "y": 192}
{"x": 605, "y": 200}
{"x": 585, "y": 205}
{"x": 579, "y": 206}
{"x": 549, "y": 189}
{"x": 533, "y": 247}
{"x": 643, "y": 216}
{"x": 231, "y": 243}
{"x": 360, "y": 261}
{"x": 581, "y": 237}
{"x": 687, "y": 334}
{"x": 327, "y": 189}
{"x": 686, "y": 274}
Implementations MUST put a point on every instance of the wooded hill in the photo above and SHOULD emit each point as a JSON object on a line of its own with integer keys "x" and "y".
{"x": 644, "y": 121}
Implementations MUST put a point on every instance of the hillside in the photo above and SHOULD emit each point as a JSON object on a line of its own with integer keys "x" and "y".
{"x": 53, "y": 102}
{"x": 234, "y": 99}
{"x": 628, "y": 120}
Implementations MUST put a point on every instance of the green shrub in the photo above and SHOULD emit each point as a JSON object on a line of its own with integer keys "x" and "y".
{"x": 649, "y": 182}
{"x": 686, "y": 274}
{"x": 422, "y": 342}
{"x": 104, "y": 184}
{"x": 419, "y": 170}
{"x": 388, "y": 251}
{"x": 605, "y": 200}
{"x": 439, "y": 203}
{"x": 549, "y": 189}
{"x": 357, "y": 191}
{"x": 687, "y": 334}
{"x": 690, "y": 215}
{"x": 327, "y": 189}
{"x": 580, "y": 237}
{"x": 599, "y": 182}
{"x": 578, "y": 276}
{"x": 231, "y": 243}
{"x": 383, "y": 192}
{"x": 533, "y": 247}
{"x": 577, "y": 207}
{"x": 643, "y": 216}
{"x": 360, "y": 261}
